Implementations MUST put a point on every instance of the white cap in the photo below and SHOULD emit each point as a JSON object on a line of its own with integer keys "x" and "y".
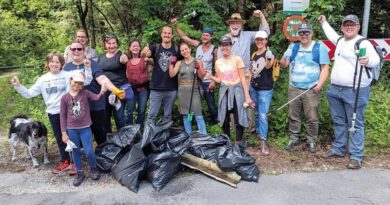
{"x": 78, "y": 77}
{"x": 261, "y": 34}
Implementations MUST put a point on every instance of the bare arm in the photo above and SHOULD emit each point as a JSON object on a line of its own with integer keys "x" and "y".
{"x": 183, "y": 36}
{"x": 201, "y": 71}
{"x": 174, "y": 68}
{"x": 323, "y": 76}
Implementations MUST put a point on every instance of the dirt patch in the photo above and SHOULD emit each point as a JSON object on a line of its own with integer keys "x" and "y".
{"x": 301, "y": 160}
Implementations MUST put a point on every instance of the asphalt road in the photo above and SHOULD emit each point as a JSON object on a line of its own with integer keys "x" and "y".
{"x": 365, "y": 186}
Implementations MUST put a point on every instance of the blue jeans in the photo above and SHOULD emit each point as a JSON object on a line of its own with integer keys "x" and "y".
{"x": 262, "y": 98}
{"x": 199, "y": 121}
{"x": 208, "y": 95}
{"x": 167, "y": 98}
{"x": 342, "y": 102}
{"x": 141, "y": 98}
{"x": 82, "y": 136}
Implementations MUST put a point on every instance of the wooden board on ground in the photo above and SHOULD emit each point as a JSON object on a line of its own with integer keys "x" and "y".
{"x": 210, "y": 169}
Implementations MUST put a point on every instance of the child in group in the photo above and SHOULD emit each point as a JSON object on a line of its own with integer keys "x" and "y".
{"x": 52, "y": 86}
{"x": 189, "y": 70}
{"x": 76, "y": 121}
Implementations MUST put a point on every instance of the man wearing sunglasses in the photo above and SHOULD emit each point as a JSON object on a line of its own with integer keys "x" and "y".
{"x": 309, "y": 68}
{"x": 342, "y": 91}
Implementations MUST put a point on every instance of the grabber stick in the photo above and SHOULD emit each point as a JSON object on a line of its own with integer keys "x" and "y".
{"x": 296, "y": 97}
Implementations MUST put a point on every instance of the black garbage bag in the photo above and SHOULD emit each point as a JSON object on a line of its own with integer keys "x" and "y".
{"x": 151, "y": 130}
{"x": 231, "y": 157}
{"x": 204, "y": 146}
{"x": 179, "y": 141}
{"x": 131, "y": 168}
{"x": 159, "y": 142}
{"x": 126, "y": 136}
{"x": 249, "y": 172}
{"x": 107, "y": 154}
{"x": 104, "y": 164}
{"x": 161, "y": 168}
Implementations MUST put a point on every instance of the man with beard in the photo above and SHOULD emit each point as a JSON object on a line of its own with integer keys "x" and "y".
{"x": 163, "y": 88}
{"x": 207, "y": 53}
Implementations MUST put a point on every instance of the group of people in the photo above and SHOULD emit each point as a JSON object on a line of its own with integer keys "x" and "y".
{"x": 82, "y": 91}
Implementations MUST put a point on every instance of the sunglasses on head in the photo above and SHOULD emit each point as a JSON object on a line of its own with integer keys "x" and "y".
{"x": 76, "y": 49}
{"x": 304, "y": 33}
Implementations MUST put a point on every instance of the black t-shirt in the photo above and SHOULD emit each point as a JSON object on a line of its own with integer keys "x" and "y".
{"x": 113, "y": 69}
{"x": 265, "y": 80}
{"x": 160, "y": 75}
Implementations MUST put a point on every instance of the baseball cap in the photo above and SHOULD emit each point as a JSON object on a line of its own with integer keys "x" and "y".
{"x": 208, "y": 30}
{"x": 304, "y": 27}
{"x": 261, "y": 34}
{"x": 225, "y": 39}
{"x": 78, "y": 77}
{"x": 351, "y": 17}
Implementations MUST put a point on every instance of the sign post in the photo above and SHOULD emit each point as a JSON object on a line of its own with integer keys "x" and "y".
{"x": 290, "y": 27}
{"x": 295, "y": 6}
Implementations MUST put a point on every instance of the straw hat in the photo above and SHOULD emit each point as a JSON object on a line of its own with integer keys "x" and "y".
{"x": 235, "y": 17}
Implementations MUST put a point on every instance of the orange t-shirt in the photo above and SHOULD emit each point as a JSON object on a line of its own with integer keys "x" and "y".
{"x": 228, "y": 69}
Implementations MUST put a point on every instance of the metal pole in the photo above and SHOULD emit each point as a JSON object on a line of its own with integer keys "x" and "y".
{"x": 366, "y": 17}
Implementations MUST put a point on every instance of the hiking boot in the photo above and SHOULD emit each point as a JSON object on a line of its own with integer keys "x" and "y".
{"x": 264, "y": 148}
{"x": 95, "y": 175}
{"x": 79, "y": 179}
{"x": 291, "y": 145}
{"x": 61, "y": 167}
{"x": 354, "y": 164}
{"x": 330, "y": 154}
{"x": 312, "y": 147}
{"x": 72, "y": 169}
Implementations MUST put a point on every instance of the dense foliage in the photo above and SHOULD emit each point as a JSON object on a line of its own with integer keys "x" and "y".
{"x": 32, "y": 28}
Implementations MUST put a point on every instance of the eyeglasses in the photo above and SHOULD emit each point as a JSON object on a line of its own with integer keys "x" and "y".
{"x": 76, "y": 49}
{"x": 260, "y": 39}
{"x": 304, "y": 33}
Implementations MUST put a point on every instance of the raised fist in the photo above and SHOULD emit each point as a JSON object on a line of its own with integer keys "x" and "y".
{"x": 15, "y": 81}
{"x": 87, "y": 63}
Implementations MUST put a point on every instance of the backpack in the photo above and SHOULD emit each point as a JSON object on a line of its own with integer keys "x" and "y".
{"x": 375, "y": 70}
{"x": 275, "y": 68}
{"x": 315, "y": 52}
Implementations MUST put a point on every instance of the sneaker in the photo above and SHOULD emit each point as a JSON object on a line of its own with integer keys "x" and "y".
{"x": 354, "y": 164}
{"x": 61, "y": 167}
{"x": 72, "y": 169}
{"x": 330, "y": 154}
{"x": 79, "y": 179}
{"x": 312, "y": 147}
{"x": 95, "y": 175}
{"x": 291, "y": 145}
{"x": 264, "y": 148}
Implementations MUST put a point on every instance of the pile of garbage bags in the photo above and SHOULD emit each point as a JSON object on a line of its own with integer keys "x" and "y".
{"x": 132, "y": 156}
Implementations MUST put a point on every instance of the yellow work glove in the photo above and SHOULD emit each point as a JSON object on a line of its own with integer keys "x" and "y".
{"x": 120, "y": 93}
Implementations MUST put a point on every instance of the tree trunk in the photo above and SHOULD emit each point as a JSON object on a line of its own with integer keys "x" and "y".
{"x": 241, "y": 4}
{"x": 82, "y": 14}
{"x": 92, "y": 25}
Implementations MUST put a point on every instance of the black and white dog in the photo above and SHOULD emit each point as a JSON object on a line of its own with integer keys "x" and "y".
{"x": 33, "y": 135}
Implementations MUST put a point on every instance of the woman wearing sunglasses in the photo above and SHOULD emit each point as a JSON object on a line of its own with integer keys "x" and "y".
{"x": 97, "y": 108}
{"x": 113, "y": 63}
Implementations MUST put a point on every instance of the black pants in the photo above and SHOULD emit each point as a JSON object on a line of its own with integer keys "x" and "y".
{"x": 226, "y": 123}
{"x": 56, "y": 127}
{"x": 98, "y": 126}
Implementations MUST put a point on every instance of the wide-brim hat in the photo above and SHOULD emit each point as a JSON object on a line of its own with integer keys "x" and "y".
{"x": 236, "y": 17}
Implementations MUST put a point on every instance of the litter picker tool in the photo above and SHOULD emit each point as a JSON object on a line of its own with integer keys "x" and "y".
{"x": 190, "y": 113}
{"x": 296, "y": 97}
{"x": 192, "y": 15}
{"x": 362, "y": 53}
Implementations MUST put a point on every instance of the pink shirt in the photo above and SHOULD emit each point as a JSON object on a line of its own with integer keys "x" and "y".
{"x": 229, "y": 69}
{"x": 74, "y": 111}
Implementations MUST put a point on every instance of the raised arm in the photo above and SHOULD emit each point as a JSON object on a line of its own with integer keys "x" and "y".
{"x": 330, "y": 33}
{"x": 263, "y": 21}
{"x": 183, "y": 36}
{"x": 35, "y": 90}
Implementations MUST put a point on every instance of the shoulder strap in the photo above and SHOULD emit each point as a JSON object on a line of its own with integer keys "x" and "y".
{"x": 294, "y": 52}
{"x": 357, "y": 43}
{"x": 316, "y": 52}
{"x": 156, "y": 48}
{"x": 253, "y": 55}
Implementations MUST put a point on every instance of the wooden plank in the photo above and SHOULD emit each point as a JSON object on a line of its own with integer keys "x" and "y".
{"x": 210, "y": 169}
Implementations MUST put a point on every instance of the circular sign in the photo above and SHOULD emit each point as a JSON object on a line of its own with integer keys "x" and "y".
{"x": 290, "y": 27}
